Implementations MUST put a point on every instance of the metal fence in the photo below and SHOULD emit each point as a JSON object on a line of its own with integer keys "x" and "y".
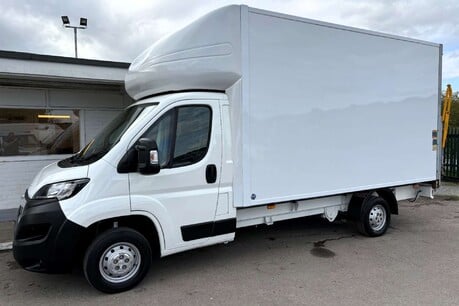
{"x": 450, "y": 167}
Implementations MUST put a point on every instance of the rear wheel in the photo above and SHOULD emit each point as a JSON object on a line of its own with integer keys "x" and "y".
{"x": 374, "y": 217}
{"x": 117, "y": 260}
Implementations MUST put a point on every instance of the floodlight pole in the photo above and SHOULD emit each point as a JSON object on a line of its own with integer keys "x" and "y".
{"x": 76, "y": 39}
{"x": 66, "y": 24}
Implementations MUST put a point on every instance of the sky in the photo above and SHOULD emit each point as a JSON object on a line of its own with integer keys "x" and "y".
{"x": 118, "y": 30}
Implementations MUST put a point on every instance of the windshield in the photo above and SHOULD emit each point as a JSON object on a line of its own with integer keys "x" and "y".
{"x": 106, "y": 139}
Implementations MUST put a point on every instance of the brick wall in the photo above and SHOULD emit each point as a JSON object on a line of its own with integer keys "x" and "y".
{"x": 15, "y": 177}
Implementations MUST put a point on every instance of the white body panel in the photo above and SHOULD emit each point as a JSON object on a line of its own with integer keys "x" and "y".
{"x": 332, "y": 110}
{"x": 319, "y": 109}
{"x": 208, "y": 51}
{"x": 105, "y": 196}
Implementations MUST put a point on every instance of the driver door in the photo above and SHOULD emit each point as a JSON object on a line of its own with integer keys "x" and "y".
{"x": 183, "y": 196}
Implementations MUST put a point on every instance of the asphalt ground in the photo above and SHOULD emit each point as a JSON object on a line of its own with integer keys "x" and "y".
{"x": 298, "y": 262}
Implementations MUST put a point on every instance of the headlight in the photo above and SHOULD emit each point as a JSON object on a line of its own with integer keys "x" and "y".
{"x": 61, "y": 190}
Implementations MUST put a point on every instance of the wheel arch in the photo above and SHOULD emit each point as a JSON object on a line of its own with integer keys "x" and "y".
{"x": 358, "y": 198}
{"x": 142, "y": 222}
{"x": 389, "y": 196}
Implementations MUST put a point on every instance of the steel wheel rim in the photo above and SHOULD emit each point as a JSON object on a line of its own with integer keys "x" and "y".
{"x": 377, "y": 217}
{"x": 120, "y": 262}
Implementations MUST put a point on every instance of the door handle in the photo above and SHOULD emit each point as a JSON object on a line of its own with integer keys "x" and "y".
{"x": 211, "y": 174}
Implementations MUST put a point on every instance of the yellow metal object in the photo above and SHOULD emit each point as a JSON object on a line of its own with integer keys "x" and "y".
{"x": 445, "y": 113}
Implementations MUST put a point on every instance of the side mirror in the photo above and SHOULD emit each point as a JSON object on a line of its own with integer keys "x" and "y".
{"x": 148, "y": 157}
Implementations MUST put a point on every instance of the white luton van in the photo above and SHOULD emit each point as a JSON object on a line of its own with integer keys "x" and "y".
{"x": 244, "y": 117}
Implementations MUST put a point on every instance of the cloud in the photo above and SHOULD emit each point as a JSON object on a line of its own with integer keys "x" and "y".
{"x": 18, "y": 29}
{"x": 451, "y": 65}
{"x": 119, "y": 30}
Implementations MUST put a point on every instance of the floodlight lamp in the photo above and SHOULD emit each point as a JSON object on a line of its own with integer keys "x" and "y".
{"x": 83, "y": 22}
{"x": 65, "y": 20}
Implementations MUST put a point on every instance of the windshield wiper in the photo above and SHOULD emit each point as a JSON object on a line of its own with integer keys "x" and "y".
{"x": 94, "y": 156}
{"x": 77, "y": 159}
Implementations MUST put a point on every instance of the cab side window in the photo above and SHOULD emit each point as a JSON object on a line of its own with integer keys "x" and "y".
{"x": 182, "y": 135}
{"x": 192, "y": 135}
{"x": 162, "y": 132}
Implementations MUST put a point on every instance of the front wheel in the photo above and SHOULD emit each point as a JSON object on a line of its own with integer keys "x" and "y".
{"x": 374, "y": 217}
{"x": 117, "y": 260}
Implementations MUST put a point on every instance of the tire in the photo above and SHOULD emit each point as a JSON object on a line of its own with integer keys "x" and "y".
{"x": 374, "y": 217}
{"x": 117, "y": 260}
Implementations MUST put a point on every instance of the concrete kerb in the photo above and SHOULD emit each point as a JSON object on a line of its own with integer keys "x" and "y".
{"x": 448, "y": 189}
{"x": 5, "y": 246}
{"x": 6, "y": 235}
{"x": 7, "y": 216}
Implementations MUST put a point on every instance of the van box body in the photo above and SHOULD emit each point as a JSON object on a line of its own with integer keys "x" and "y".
{"x": 316, "y": 109}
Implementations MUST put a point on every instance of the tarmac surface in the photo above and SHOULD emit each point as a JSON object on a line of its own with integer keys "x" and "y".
{"x": 297, "y": 262}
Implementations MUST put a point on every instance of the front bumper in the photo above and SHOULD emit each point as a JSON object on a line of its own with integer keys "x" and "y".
{"x": 44, "y": 239}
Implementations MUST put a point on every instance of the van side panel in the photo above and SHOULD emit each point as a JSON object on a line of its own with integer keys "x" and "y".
{"x": 334, "y": 110}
